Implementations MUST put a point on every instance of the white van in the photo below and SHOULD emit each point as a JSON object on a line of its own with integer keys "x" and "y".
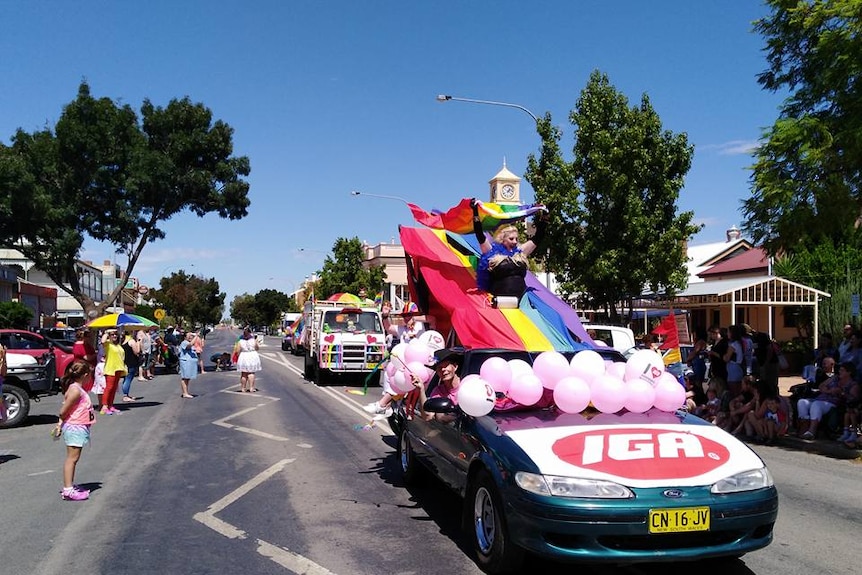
{"x": 617, "y": 337}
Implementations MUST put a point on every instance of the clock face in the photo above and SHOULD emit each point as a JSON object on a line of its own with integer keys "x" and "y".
{"x": 508, "y": 192}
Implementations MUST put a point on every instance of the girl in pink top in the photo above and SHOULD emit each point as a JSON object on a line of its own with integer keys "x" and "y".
{"x": 76, "y": 417}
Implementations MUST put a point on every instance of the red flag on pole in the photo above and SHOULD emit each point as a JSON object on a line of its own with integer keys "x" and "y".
{"x": 667, "y": 329}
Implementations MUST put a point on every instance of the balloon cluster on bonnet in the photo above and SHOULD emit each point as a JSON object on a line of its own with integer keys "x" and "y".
{"x": 637, "y": 385}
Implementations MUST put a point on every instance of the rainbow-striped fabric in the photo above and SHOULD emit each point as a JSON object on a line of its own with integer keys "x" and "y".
{"x": 459, "y": 219}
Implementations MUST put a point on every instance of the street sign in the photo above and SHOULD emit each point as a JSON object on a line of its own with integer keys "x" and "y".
{"x": 159, "y": 314}
{"x": 854, "y": 304}
{"x": 143, "y": 290}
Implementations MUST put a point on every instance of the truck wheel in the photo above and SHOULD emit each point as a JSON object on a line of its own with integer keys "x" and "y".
{"x": 17, "y": 405}
{"x": 308, "y": 367}
{"x": 320, "y": 376}
{"x": 495, "y": 552}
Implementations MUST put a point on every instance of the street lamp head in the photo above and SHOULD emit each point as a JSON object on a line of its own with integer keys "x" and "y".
{"x": 443, "y": 97}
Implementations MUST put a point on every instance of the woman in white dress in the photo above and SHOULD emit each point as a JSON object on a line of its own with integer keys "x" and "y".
{"x": 248, "y": 362}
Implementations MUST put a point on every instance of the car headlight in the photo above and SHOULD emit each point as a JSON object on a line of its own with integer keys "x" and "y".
{"x": 571, "y": 486}
{"x": 745, "y": 481}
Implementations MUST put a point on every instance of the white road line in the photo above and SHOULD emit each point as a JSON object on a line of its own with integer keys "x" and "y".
{"x": 246, "y": 487}
{"x": 336, "y": 395}
{"x": 280, "y": 555}
{"x": 290, "y": 560}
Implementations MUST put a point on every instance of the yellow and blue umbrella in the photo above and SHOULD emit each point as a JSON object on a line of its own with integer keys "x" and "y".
{"x": 121, "y": 320}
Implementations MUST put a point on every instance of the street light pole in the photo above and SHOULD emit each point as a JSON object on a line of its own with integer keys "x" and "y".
{"x": 358, "y": 193}
{"x": 446, "y": 98}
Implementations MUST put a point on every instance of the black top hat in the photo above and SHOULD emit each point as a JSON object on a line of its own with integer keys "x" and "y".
{"x": 455, "y": 355}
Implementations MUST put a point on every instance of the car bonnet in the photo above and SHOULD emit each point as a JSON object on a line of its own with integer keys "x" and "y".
{"x": 654, "y": 449}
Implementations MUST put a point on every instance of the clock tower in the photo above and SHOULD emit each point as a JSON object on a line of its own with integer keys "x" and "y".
{"x": 505, "y": 187}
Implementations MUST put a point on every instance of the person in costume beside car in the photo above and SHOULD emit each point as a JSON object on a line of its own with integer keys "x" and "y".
{"x": 446, "y": 364}
{"x": 503, "y": 265}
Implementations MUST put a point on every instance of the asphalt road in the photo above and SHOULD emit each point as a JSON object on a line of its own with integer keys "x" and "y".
{"x": 294, "y": 479}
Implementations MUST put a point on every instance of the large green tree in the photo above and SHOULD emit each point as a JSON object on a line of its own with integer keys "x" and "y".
{"x": 190, "y": 299}
{"x": 103, "y": 173}
{"x": 343, "y": 271}
{"x": 806, "y": 176}
{"x": 614, "y": 226}
{"x": 243, "y": 310}
{"x": 270, "y": 305}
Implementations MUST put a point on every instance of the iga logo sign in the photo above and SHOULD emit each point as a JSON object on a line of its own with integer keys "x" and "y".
{"x": 642, "y": 453}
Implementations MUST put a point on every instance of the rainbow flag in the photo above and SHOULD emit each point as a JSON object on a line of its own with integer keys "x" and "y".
{"x": 459, "y": 219}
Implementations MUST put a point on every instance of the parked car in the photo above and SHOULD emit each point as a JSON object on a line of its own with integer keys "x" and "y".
{"x": 36, "y": 345}
{"x": 25, "y": 380}
{"x": 64, "y": 335}
{"x": 590, "y": 487}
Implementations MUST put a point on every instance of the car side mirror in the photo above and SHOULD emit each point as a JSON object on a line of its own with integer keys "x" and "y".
{"x": 439, "y": 405}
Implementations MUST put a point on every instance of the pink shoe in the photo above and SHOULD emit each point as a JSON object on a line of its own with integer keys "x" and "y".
{"x": 74, "y": 494}
{"x": 114, "y": 411}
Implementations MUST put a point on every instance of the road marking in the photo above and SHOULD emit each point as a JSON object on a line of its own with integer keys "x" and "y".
{"x": 281, "y": 555}
{"x": 332, "y": 392}
{"x": 289, "y": 559}
{"x": 337, "y": 396}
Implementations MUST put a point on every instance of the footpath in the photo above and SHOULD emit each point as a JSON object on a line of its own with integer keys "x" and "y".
{"x": 827, "y": 447}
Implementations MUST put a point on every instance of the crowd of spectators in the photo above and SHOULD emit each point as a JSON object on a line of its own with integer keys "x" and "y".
{"x": 741, "y": 392}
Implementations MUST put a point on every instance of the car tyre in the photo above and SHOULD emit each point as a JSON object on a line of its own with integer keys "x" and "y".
{"x": 495, "y": 552}
{"x": 17, "y": 405}
{"x": 411, "y": 469}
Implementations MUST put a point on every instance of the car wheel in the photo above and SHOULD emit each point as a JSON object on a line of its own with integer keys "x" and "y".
{"x": 411, "y": 470}
{"x": 17, "y": 405}
{"x": 495, "y": 552}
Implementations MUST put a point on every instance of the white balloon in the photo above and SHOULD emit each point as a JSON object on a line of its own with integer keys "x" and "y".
{"x": 476, "y": 397}
{"x": 644, "y": 364}
{"x": 432, "y": 339}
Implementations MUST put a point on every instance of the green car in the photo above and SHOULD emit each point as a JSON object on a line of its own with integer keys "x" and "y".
{"x": 591, "y": 487}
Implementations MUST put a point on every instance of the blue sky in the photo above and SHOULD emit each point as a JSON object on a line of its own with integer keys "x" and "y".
{"x": 329, "y": 97}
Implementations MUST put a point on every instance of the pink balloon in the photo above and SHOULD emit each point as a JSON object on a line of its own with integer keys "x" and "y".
{"x": 607, "y": 393}
{"x": 587, "y": 365}
{"x": 400, "y": 382}
{"x": 390, "y": 368}
{"x": 640, "y": 396}
{"x": 617, "y": 369}
{"x": 418, "y": 352}
{"x": 519, "y": 366}
{"x": 419, "y": 370}
{"x": 496, "y": 371}
{"x": 645, "y": 364}
{"x": 525, "y": 388}
{"x": 669, "y": 394}
{"x": 572, "y": 394}
{"x": 550, "y": 367}
{"x": 398, "y": 352}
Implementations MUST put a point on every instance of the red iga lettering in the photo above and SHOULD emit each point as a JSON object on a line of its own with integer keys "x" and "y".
{"x": 642, "y": 453}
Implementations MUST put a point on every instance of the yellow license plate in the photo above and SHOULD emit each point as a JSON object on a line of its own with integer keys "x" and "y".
{"x": 679, "y": 520}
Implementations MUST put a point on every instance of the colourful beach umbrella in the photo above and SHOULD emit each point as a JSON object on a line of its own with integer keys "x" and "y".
{"x": 121, "y": 320}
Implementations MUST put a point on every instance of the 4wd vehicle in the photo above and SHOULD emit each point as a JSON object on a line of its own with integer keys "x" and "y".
{"x": 21, "y": 341}
{"x": 24, "y": 383}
